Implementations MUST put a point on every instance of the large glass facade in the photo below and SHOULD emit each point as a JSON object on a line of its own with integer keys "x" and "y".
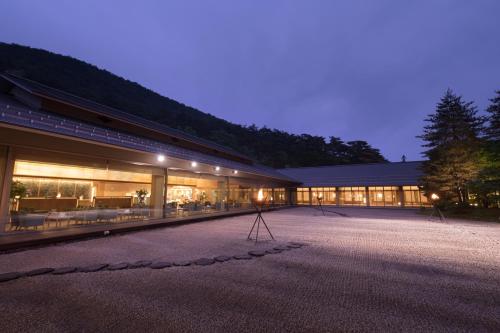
{"x": 328, "y": 195}
{"x": 49, "y": 195}
{"x": 303, "y": 196}
{"x": 384, "y": 196}
{"x": 191, "y": 193}
{"x": 414, "y": 197}
{"x": 55, "y": 195}
{"x": 352, "y": 196}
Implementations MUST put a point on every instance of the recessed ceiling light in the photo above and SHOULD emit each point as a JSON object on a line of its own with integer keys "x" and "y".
{"x": 235, "y": 171}
{"x": 160, "y": 158}
{"x": 217, "y": 168}
{"x": 194, "y": 164}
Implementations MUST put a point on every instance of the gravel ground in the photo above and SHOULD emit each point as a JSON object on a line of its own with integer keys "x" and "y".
{"x": 377, "y": 270}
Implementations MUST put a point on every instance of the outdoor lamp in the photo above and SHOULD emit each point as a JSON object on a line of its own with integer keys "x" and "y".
{"x": 260, "y": 196}
{"x": 160, "y": 158}
{"x": 217, "y": 168}
{"x": 259, "y": 204}
{"x": 434, "y": 196}
{"x": 194, "y": 164}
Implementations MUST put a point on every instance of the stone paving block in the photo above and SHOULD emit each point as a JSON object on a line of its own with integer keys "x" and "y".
{"x": 40, "y": 271}
{"x": 119, "y": 266}
{"x": 160, "y": 265}
{"x": 140, "y": 264}
{"x": 182, "y": 263}
{"x": 298, "y": 243}
{"x": 242, "y": 257}
{"x": 222, "y": 258}
{"x": 281, "y": 248}
{"x": 273, "y": 251}
{"x": 204, "y": 261}
{"x": 92, "y": 268}
{"x": 64, "y": 270}
{"x": 10, "y": 276}
{"x": 257, "y": 253}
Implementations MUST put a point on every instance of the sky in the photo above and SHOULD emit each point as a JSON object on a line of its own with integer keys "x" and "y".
{"x": 359, "y": 70}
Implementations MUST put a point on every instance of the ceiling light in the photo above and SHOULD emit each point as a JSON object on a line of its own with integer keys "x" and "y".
{"x": 160, "y": 158}
{"x": 194, "y": 164}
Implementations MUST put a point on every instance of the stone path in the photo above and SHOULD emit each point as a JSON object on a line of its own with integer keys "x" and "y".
{"x": 147, "y": 263}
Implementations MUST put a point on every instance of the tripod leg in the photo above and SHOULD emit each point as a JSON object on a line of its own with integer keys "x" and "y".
{"x": 253, "y": 226}
{"x": 269, "y": 231}
{"x": 259, "y": 217}
{"x": 441, "y": 216}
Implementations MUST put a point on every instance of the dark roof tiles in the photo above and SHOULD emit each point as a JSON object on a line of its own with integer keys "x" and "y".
{"x": 372, "y": 174}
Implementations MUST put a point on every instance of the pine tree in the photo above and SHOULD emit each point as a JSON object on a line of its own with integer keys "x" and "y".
{"x": 452, "y": 139}
{"x": 487, "y": 185}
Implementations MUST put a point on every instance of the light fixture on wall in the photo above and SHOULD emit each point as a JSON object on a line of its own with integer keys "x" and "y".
{"x": 235, "y": 172}
{"x": 194, "y": 164}
{"x": 160, "y": 158}
{"x": 217, "y": 168}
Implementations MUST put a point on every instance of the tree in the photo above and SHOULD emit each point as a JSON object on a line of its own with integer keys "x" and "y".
{"x": 268, "y": 146}
{"x": 487, "y": 185}
{"x": 452, "y": 139}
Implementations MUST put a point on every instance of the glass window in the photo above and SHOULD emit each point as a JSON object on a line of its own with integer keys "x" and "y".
{"x": 414, "y": 197}
{"x": 352, "y": 196}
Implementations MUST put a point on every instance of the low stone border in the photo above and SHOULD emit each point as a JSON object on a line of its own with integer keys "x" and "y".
{"x": 149, "y": 264}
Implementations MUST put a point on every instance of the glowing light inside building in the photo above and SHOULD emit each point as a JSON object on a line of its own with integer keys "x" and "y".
{"x": 260, "y": 195}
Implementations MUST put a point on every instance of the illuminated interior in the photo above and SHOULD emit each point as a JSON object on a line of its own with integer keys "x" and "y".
{"x": 352, "y": 196}
{"x": 77, "y": 187}
{"x": 414, "y": 197}
{"x": 384, "y": 196}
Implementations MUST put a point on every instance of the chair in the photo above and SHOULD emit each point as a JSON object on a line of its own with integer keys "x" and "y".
{"x": 32, "y": 220}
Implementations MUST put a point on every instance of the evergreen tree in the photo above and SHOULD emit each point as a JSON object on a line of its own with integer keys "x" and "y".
{"x": 487, "y": 185}
{"x": 452, "y": 139}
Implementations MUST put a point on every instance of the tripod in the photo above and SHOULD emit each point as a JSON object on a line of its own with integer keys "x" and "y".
{"x": 258, "y": 220}
{"x": 437, "y": 211}
{"x": 320, "y": 206}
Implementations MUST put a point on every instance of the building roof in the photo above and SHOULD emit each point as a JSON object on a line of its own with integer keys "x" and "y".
{"x": 372, "y": 174}
{"x": 44, "y": 91}
{"x": 14, "y": 113}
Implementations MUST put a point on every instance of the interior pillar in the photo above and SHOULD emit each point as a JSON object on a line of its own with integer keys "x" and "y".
{"x": 165, "y": 184}
{"x": 227, "y": 194}
{"x": 401, "y": 196}
{"x": 367, "y": 196}
{"x": 157, "y": 195}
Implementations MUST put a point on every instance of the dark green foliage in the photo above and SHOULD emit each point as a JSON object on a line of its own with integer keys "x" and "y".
{"x": 452, "y": 137}
{"x": 487, "y": 185}
{"x": 268, "y": 146}
{"x": 17, "y": 189}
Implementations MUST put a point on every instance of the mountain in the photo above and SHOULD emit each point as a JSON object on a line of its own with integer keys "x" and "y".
{"x": 271, "y": 147}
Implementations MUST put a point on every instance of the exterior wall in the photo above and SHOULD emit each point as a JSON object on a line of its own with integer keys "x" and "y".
{"x": 64, "y": 189}
{"x": 6, "y": 168}
{"x": 363, "y": 196}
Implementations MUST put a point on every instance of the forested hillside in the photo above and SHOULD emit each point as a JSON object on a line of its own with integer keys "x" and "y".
{"x": 268, "y": 146}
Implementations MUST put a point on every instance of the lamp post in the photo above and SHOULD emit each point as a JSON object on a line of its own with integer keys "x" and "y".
{"x": 320, "y": 199}
{"x": 259, "y": 204}
{"x": 436, "y": 210}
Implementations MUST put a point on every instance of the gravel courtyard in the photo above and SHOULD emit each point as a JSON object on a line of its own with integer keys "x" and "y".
{"x": 372, "y": 270}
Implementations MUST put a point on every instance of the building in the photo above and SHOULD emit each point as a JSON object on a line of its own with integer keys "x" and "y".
{"x": 369, "y": 185}
{"x": 68, "y": 162}
{"x": 72, "y": 162}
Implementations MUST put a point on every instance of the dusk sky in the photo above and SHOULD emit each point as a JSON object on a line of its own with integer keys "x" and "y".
{"x": 368, "y": 70}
